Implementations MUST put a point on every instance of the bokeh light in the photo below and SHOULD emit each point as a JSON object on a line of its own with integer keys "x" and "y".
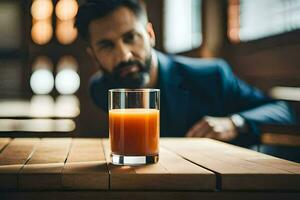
{"x": 67, "y": 81}
{"x": 66, "y": 9}
{"x": 66, "y": 33}
{"x": 10, "y": 108}
{"x": 41, "y": 32}
{"x": 42, "y": 62}
{"x": 37, "y": 125}
{"x": 41, "y": 106}
{"x": 67, "y": 106}
{"x": 41, "y": 9}
{"x": 67, "y": 62}
{"x": 42, "y": 81}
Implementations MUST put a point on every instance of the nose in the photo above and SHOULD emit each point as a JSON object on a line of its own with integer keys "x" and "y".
{"x": 124, "y": 53}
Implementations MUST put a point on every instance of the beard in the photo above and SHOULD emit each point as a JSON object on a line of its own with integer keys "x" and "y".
{"x": 130, "y": 74}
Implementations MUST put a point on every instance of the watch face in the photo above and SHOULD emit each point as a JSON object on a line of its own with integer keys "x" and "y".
{"x": 239, "y": 123}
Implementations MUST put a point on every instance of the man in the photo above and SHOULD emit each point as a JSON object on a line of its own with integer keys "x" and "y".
{"x": 199, "y": 97}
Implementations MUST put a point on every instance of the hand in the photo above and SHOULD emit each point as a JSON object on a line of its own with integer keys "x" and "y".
{"x": 220, "y": 128}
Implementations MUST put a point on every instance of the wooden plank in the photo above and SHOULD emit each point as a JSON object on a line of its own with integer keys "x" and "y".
{"x": 4, "y": 142}
{"x": 44, "y": 169}
{"x": 172, "y": 172}
{"x": 147, "y": 195}
{"x": 236, "y": 166}
{"x": 286, "y": 165}
{"x": 261, "y": 158}
{"x": 12, "y": 159}
{"x": 86, "y": 166}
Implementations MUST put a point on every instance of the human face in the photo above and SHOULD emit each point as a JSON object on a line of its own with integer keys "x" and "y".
{"x": 121, "y": 44}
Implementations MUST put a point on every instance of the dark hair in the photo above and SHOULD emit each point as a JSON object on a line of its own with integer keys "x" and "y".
{"x": 94, "y": 9}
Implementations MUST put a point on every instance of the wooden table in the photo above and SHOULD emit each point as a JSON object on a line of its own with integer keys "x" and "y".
{"x": 66, "y": 168}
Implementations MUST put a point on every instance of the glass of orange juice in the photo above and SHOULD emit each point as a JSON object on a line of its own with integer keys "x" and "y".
{"x": 134, "y": 126}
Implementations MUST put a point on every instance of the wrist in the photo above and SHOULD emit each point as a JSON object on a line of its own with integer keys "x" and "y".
{"x": 240, "y": 123}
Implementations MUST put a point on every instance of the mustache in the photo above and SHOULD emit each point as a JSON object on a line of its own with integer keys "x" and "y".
{"x": 122, "y": 65}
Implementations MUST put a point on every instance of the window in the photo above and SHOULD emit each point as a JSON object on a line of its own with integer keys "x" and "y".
{"x": 182, "y": 25}
{"x": 10, "y": 23}
{"x": 255, "y": 19}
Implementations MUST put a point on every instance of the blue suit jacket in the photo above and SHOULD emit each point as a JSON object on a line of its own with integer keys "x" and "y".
{"x": 192, "y": 88}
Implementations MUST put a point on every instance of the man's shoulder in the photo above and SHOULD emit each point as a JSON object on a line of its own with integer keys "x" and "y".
{"x": 97, "y": 78}
{"x": 199, "y": 67}
{"x": 99, "y": 81}
{"x": 200, "y": 64}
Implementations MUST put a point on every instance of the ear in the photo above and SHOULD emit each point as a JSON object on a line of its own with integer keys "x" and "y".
{"x": 151, "y": 34}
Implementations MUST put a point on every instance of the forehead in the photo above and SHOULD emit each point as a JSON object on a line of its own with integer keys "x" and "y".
{"x": 113, "y": 25}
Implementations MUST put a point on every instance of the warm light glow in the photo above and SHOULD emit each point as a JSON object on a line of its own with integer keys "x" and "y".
{"x": 65, "y": 32}
{"x": 66, "y": 9}
{"x": 67, "y": 81}
{"x": 42, "y": 81}
{"x": 41, "y": 9}
{"x": 13, "y": 108}
{"x": 233, "y": 34}
{"x": 286, "y": 93}
{"x": 41, "y": 32}
{"x": 41, "y": 106}
{"x": 38, "y": 125}
{"x": 67, "y": 62}
{"x": 125, "y": 167}
{"x": 233, "y": 24}
{"x": 67, "y": 106}
{"x": 42, "y": 62}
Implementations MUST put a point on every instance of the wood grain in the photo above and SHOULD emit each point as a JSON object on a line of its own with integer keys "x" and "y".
{"x": 171, "y": 173}
{"x": 84, "y": 164}
{"x": 86, "y": 167}
{"x": 148, "y": 195}
{"x": 44, "y": 169}
{"x": 4, "y": 142}
{"x": 238, "y": 168}
{"x": 12, "y": 159}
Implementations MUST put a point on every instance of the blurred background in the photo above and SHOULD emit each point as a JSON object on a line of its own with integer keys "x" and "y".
{"x": 45, "y": 71}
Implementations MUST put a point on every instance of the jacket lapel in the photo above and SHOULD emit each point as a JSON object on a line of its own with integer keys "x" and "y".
{"x": 176, "y": 96}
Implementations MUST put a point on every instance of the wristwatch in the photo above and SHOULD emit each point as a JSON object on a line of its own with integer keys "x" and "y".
{"x": 240, "y": 123}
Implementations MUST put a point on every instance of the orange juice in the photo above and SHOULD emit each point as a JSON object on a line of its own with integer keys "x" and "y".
{"x": 134, "y": 131}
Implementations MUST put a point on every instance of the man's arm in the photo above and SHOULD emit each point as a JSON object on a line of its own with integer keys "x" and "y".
{"x": 240, "y": 99}
{"x": 250, "y": 103}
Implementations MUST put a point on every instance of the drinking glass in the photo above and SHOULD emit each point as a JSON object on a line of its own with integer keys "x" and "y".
{"x": 134, "y": 126}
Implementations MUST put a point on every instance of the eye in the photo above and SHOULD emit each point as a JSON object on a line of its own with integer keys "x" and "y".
{"x": 130, "y": 37}
{"x": 106, "y": 45}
